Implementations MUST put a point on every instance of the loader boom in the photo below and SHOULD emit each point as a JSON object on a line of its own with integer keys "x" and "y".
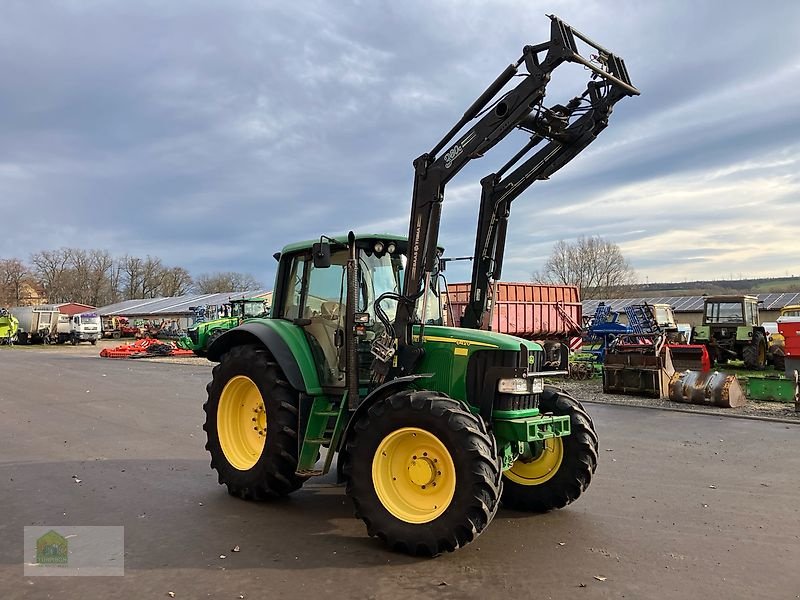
{"x": 495, "y": 115}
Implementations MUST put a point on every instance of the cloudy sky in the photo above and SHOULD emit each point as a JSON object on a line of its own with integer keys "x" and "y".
{"x": 213, "y": 133}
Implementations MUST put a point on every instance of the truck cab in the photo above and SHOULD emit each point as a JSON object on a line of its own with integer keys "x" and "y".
{"x": 74, "y": 329}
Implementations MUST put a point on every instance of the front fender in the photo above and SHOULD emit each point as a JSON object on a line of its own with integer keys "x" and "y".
{"x": 285, "y": 341}
{"x": 380, "y": 392}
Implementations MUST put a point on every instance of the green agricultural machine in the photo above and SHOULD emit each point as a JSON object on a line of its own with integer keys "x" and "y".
{"x": 202, "y": 335}
{"x": 8, "y": 327}
{"x": 434, "y": 426}
{"x": 731, "y": 331}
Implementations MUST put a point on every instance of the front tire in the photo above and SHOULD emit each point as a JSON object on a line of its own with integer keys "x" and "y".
{"x": 423, "y": 473}
{"x": 251, "y": 425}
{"x": 754, "y": 355}
{"x": 215, "y": 335}
{"x": 558, "y": 470}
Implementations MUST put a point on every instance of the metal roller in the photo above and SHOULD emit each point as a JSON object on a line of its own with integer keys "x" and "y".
{"x": 711, "y": 388}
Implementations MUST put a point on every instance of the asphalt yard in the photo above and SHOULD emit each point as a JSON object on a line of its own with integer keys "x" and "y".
{"x": 682, "y": 505}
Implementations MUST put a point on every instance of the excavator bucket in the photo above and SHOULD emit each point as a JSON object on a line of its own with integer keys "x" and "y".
{"x": 693, "y": 357}
{"x": 709, "y": 388}
{"x": 638, "y": 373}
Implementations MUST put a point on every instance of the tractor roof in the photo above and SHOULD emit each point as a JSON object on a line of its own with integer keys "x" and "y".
{"x": 343, "y": 240}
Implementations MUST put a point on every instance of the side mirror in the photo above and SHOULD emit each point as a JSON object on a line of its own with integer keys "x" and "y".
{"x": 321, "y": 252}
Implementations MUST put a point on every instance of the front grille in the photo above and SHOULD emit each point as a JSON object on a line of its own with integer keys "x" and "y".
{"x": 193, "y": 335}
{"x": 494, "y": 364}
{"x": 516, "y": 401}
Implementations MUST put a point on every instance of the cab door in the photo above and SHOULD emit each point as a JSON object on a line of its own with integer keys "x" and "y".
{"x": 315, "y": 299}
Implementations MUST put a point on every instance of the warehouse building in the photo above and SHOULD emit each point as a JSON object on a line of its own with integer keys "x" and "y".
{"x": 179, "y": 310}
{"x": 689, "y": 309}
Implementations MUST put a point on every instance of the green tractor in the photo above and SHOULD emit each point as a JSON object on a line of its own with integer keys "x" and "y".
{"x": 731, "y": 331}
{"x": 434, "y": 426}
{"x": 203, "y": 334}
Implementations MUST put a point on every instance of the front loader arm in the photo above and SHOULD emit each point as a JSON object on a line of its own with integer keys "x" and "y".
{"x": 490, "y": 118}
{"x": 565, "y": 140}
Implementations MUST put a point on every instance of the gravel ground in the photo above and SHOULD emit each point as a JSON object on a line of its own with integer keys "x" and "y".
{"x": 592, "y": 391}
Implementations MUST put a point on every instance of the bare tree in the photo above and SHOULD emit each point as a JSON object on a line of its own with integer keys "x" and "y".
{"x": 176, "y": 281}
{"x": 152, "y": 277}
{"x": 594, "y": 264}
{"x": 101, "y": 289}
{"x": 132, "y": 276}
{"x": 13, "y": 277}
{"x": 51, "y": 270}
{"x": 228, "y": 281}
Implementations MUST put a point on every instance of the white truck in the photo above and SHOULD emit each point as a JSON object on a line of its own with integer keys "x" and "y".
{"x": 79, "y": 328}
{"x": 37, "y": 324}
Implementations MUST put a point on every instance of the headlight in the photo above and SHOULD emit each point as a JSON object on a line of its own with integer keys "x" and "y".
{"x": 520, "y": 385}
{"x": 517, "y": 385}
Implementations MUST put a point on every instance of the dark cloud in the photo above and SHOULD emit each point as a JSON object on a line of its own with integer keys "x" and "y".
{"x": 213, "y": 133}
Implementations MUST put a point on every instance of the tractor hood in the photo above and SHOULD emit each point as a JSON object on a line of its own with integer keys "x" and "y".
{"x": 475, "y": 337}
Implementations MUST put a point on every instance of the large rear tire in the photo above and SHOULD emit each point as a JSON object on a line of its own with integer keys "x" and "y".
{"x": 559, "y": 470}
{"x": 423, "y": 473}
{"x": 754, "y": 355}
{"x": 251, "y": 425}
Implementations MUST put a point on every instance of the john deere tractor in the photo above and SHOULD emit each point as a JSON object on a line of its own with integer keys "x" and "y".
{"x": 731, "y": 331}
{"x": 433, "y": 426}
{"x": 201, "y": 335}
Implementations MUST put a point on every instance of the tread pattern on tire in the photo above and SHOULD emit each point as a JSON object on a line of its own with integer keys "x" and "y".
{"x": 750, "y": 353}
{"x": 578, "y": 464}
{"x": 479, "y": 479}
{"x": 274, "y": 473}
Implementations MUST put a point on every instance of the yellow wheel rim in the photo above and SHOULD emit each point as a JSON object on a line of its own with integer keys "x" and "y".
{"x": 241, "y": 422}
{"x": 414, "y": 475}
{"x": 540, "y": 469}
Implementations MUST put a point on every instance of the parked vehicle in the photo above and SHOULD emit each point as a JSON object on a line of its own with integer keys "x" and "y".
{"x": 118, "y": 327}
{"x": 37, "y": 324}
{"x": 75, "y": 329}
{"x": 204, "y": 333}
{"x": 433, "y": 424}
{"x": 731, "y": 330}
{"x": 550, "y": 314}
{"x": 8, "y": 327}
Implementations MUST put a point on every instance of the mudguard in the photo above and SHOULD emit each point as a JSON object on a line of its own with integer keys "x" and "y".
{"x": 285, "y": 341}
{"x": 380, "y": 392}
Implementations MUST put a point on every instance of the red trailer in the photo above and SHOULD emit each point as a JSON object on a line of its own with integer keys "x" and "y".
{"x": 533, "y": 311}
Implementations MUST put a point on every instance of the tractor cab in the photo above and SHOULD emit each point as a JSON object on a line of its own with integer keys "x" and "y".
{"x": 731, "y": 330}
{"x": 311, "y": 292}
{"x": 721, "y": 311}
{"x": 246, "y": 308}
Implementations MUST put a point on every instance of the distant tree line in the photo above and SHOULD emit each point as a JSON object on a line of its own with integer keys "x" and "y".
{"x": 98, "y": 278}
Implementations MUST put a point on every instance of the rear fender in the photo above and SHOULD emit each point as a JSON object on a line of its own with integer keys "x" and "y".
{"x": 284, "y": 341}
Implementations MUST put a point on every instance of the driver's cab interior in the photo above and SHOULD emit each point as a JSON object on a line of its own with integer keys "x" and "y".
{"x": 315, "y": 298}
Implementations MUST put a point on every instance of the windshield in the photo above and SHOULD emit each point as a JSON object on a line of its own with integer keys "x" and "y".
{"x": 384, "y": 273}
{"x": 253, "y": 309}
{"x": 724, "y": 312}
{"x": 663, "y": 316}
